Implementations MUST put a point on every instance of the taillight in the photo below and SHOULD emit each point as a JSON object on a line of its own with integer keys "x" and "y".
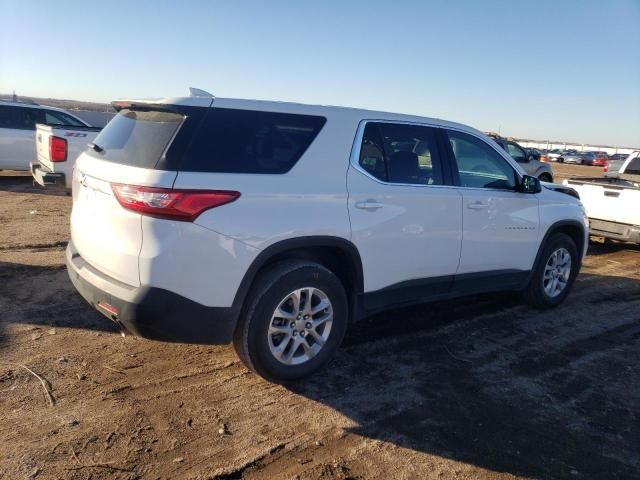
{"x": 183, "y": 205}
{"x": 57, "y": 149}
{"x": 606, "y": 166}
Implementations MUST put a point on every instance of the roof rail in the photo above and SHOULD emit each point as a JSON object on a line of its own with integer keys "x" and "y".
{"x": 196, "y": 92}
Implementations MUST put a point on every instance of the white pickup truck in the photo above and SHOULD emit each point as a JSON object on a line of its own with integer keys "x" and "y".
{"x": 613, "y": 202}
{"x": 57, "y": 148}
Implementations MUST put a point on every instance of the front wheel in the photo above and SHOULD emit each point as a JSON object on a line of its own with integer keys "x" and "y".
{"x": 294, "y": 321}
{"x": 554, "y": 273}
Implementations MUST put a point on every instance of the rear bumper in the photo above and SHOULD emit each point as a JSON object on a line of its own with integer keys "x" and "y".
{"x": 45, "y": 177}
{"x": 616, "y": 231}
{"x": 150, "y": 312}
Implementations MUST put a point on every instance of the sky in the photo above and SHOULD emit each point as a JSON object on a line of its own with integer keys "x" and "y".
{"x": 561, "y": 70}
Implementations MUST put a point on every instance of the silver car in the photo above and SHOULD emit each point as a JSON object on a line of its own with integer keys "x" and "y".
{"x": 542, "y": 171}
{"x": 576, "y": 158}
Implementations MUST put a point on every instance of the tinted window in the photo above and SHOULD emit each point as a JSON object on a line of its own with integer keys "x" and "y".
{"x": 633, "y": 168}
{"x": 245, "y": 141}
{"x": 479, "y": 165}
{"x": 22, "y": 118}
{"x": 372, "y": 153}
{"x": 136, "y": 138}
{"x": 516, "y": 152}
{"x": 398, "y": 153}
{"x": 59, "y": 118}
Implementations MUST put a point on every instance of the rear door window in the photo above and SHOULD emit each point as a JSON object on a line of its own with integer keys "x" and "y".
{"x": 137, "y": 138}
{"x": 400, "y": 153}
{"x": 247, "y": 141}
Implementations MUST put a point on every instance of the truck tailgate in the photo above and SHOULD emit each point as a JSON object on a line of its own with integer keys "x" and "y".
{"x": 76, "y": 139}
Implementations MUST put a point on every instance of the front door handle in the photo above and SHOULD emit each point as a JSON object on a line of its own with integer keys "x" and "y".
{"x": 369, "y": 205}
{"x": 477, "y": 206}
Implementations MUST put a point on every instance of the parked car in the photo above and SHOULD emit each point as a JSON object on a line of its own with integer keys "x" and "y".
{"x": 17, "y": 131}
{"x": 619, "y": 156}
{"x": 599, "y": 159}
{"x": 555, "y": 155}
{"x": 209, "y": 220}
{"x": 611, "y": 202}
{"x": 533, "y": 167}
{"x": 57, "y": 148}
{"x": 577, "y": 158}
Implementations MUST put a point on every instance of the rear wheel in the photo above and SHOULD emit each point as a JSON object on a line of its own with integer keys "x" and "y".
{"x": 294, "y": 321}
{"x": 555, "y": 272}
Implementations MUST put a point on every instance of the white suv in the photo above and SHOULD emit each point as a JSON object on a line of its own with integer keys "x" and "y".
{"x": 276, "y": 225}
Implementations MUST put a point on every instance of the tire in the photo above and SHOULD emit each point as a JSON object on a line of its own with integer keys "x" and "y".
{"x": 536, "y": 294}
{"x": 276, "y": 288}
{"x": 545, "y": 177}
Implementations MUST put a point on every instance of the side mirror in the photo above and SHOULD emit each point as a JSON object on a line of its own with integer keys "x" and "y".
{"x": 530, "y": 184}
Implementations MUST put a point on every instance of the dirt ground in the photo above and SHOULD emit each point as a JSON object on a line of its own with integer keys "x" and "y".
{"x": 479, "y": 388}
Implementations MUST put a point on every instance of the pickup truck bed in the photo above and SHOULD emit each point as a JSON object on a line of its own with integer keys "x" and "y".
{"x": 612, "y": 203}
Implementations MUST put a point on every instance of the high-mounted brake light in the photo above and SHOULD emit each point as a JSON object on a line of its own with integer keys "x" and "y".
{"x": 57, "y": 149}
{"x": 183, "y": 205}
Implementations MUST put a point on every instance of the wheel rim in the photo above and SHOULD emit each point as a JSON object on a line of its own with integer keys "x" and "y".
{"x": 557, "y": 272}
{"x": 300, "y": 326}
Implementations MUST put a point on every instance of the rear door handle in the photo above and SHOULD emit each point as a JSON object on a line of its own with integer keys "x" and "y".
{"x": 477, "y": 205}
{"x": 369, "y": 205}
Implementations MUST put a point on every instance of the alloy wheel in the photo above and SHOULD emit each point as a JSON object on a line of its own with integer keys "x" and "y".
{"x": 300, "y": 326}
{"x": 557, "y": 272}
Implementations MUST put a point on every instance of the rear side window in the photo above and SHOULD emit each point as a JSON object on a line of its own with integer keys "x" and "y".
{"x": 136, "y": 138}
{"x": 246, "y": 141}
{"x": 398, "y": 153}
{"x": 21, "y": 118}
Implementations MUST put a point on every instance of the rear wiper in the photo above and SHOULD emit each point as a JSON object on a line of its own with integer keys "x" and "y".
{"x": 96, "y": 147}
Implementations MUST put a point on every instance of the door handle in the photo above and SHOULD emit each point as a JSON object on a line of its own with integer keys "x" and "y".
{"x": 369, "y": 205}
{"x": 477, "y": 206}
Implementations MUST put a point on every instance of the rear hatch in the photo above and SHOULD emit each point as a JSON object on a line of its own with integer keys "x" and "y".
{"x": 135, "y": 148}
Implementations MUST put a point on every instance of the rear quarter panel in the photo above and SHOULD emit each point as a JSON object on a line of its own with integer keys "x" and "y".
{"x": 310, "y": 199}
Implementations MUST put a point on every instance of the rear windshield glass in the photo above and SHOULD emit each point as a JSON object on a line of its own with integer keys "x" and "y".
{"x": 246, "y": 141}
{"x": 136, "y": 138}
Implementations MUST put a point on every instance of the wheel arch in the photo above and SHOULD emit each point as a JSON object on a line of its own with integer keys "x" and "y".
{"x": 337, "y": 254}
{"x": 574, "y": 229}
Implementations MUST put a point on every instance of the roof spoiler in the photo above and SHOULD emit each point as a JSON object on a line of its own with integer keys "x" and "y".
{"x": 196, "y": 92}
{"x": 158, "y": 104}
